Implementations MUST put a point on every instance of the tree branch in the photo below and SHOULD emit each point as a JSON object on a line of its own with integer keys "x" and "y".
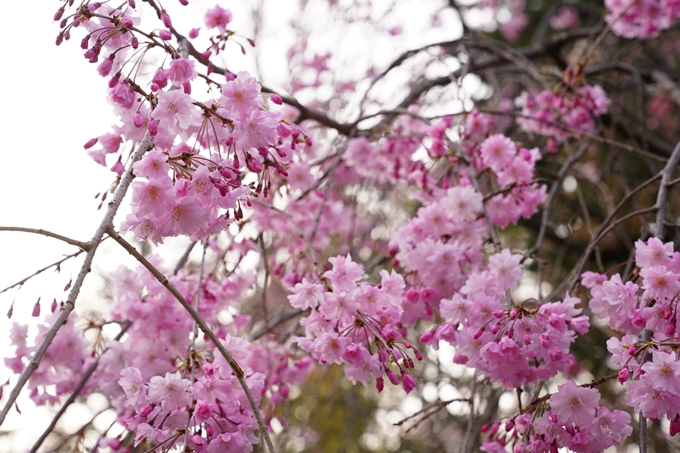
{"x": 83, "y": 245}
{"x": 238, "y": 372}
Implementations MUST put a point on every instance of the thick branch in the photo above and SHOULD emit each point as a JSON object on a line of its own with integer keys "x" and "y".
{"x": 238, "y": 372}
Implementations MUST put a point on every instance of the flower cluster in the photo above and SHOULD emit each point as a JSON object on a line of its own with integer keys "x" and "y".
{"x": 356, "y": 324}
{"x": 571, "y": 418}
{"x": 649, "y": 302}
{"x": 564, "y": 112}
{"x": 641, "y": 18}
{"x": 514, "y": 344}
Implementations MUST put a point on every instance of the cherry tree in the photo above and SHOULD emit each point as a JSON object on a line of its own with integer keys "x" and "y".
{"x": 477, "y": 195}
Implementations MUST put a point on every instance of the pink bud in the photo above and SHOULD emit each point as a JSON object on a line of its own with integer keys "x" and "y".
{"x": 146, "y": 411}
{"x": 623, "y": 375}
{"x": 166, "y": 20}
{"x": 513, "y": 313}
{"x": 670, "y": 330}
{"x": 498, "y": 314}
{"x": 448, "y": 333}
{"x": 186, "y": 87}
{"x": 138, "y": 120}
{"x": 412, "y": 295}
{"x": 426, "y": 336}
{"x": 132, "y": 4}
{"x": 494, "y": 429}
{"x": 509, "y": 426}
{"x": 134, "y": 42}
{"x": 127, "y": 23}
{"x": 495, "y": 328}
{"x": 380, "y": 384}
{"x": 527, "y": 338}
{"x": 632, "y": 349}
{"x": 154, "y": 87}
{"x": 90, "y": 143}
{"x": 193, "y": 33}
{"x": 105, "y": 67}
{"x": 418, "y": 355}
{"x": 53, "y": 307}
{"x": 675, "y": 426}
{"x": 10, "y": 311}
{"x": 276, "y": 99}
{"x": 153, "y": 128}
{"x": 198, "y": 440}
{"x": 36, "y": 309}
{"x": 392, "y": 376}
{"x": 59, "y": 13}
{"x": 209, "y": 430}
{"x": 165, "y": 35}
{"x": 408, "y": 383}
{"x": 478, "y": 334}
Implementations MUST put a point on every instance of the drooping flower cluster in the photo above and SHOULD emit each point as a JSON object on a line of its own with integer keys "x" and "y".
{"x": 571, "y": 418}
{"x": 563, "y": 113}
{"x": 649, "y": 302}
{"x": 514, "y": 344}
{"x": 357, "y": 324}
{"x": 641, "y": 18}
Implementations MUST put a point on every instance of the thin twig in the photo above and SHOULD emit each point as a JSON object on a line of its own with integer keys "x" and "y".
{"x": 192, "y": 346}
{"x": 82, "y": 245}
{"x": 301, "y": 235}
{"x": 238, "y": 372}
{"x": 39, "y": 271}
{"x": 471, "y": 417}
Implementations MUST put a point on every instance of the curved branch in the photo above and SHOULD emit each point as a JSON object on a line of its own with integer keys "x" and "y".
{"x": 39, "y": 271}
{"x": 83, "y": 245}
{"x": 238, "y": 372}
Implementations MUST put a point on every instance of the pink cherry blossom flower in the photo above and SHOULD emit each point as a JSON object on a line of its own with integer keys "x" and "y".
{"x": 241, "y": 95}
{"x": 218, "y": 17}
{"x": 506, "y": 268}
{"x": 256, "y": 130}
{"x": 181, "y": 71}
{"x": 175, "y": 111}
{"x": 497, "y": 152}
{"x": 306, "y": 295}
{"x": 154, "y": 165}
{"x": 663, "y": 372}
{"x": 171, "y": 391}
{"x": 573, "y": 404}
{"x": 345, "y": 273}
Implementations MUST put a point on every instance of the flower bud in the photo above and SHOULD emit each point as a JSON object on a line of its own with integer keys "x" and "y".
{"x": 90, "y": 143}
{"x": 623, "y": 375}
{"x": 276, "y": 99}
{"x": 138, "y": 120}
{"x": 153, "y": 128}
